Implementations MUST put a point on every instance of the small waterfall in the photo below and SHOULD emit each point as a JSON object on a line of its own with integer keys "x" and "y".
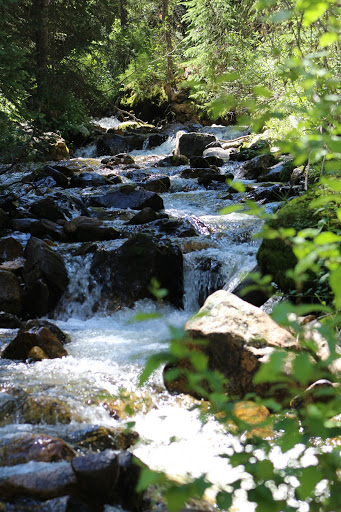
{"x": 145, "y": 144}
{"x": 106, "y": 122}
{"x": 83, "y": 296}
{"x": 87, "y": 151}
{"x": 204, "y": 273}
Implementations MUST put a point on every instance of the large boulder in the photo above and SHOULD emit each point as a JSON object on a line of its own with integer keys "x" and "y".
{"x": 280, "y": 172}
{"x": 50, "y": 146}
{"x": 88, "y": 179}
{"x": 192, "y": 144}
{"x": 25, "y": 341}
{"x": 97, "y": 475}
{"x": 129, "y": 197}
{"x": 10, "y": 249}
{"x": 214, "y": 155}
{"x": 86, "y": 229}
{"x": 158, "y": 185}
{"x": 48, "y": 208}
{"x": 238, "y": 338}
{"x": 257, "y": 166}
{"x": 45, "y": 277}
{"x": 10, "y": 295}
{"x": 126, "y": 273}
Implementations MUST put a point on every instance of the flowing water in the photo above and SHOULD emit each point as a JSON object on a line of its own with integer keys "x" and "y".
{"x": 108, "y": 351}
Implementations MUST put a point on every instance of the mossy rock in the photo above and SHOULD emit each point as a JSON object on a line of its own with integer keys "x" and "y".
{"x": 286, "y": 171}
{"x": 275, "y": 257}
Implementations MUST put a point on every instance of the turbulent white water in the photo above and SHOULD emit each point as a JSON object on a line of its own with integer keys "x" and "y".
{"x": 108, "y": 352}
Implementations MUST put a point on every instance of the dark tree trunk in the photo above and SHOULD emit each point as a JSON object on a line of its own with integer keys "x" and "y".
{"x": 42, "y": 41}
{"x": 123, "y": 14}
{"x": 168, "y": 39}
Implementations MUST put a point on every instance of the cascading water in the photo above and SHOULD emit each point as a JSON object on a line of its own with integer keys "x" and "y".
{"x": 109, "y": 350}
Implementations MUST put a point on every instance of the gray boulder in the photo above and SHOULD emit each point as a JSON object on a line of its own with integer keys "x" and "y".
{"x": 45, "y": 277}
{"x": 192, "y": 144}
{"x": 126, "y": 273}
{"x": 239, "y": 337}
{"x": 10, "y": 295}
{"x": 129, "y": 197}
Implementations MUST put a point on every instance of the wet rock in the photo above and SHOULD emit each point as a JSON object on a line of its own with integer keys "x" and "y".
{"x": 63, "y": 337}
{"x": 49, "y": 172}
{"x": 256, "y": 166}
{"x": 10, "y": 294}
{"x": 257, "y": 148}
{"x": 192, "y": 144}
{"x": 199, "y": 173}
{"x": 4, "y": 220}
{"x": 46, "y": 410}
{"x": 14, "y": 266}
{"x": 268, "y": 194}
{"x": 45, "y": 277}
{"x": 175, "y": 227}
{"x": 37, "y": 447}
{"x": 120, "y": 159}
{"x": 103, "y": 438}
{"x": 132, "y": 267}
{"x": 32, "y": 226}
{"x": 86, "y": 229}
{"x": 199, "y": 162}
{"x": 125, "y": 493}
{"x": 8, "y": 202}
{"x": 144, "y": 216}
{"x": 42, "y": 337}
{"x": 158, "y": 185}
{"x": 38, "y": 480}
{"x": 239, "y": 338}
{"x": 220, "y": 153}
{"x": 280, "y": 172}
{"x": 214, "y": 160}
{"x": 8, "y": 321}
{"x": 129, "y": 197}
{"x": 219, "y": 178}
{"x": 173, "y": 161}
{"x": 39, "y": 228}
{"x": 87, "y": 179}
{"x": 36, "y": 354}
{"x": 111, "y": 144}
{"x": 10, "y": 249}
{"x": 47, "y": 208}
{"x": 97, "y": 475}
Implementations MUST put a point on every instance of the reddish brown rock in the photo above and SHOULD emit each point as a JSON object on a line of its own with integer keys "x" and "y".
{"x": 38, "y": 447}
{"x": 41, "y": 337}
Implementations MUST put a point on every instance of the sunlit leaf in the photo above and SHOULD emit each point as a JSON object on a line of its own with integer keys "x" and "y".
{"x": 327, "y": 237}
{"x": 328, "y": 38}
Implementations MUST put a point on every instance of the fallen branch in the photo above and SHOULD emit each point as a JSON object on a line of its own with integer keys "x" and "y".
{"x": 124, "y": 112}
{"x": 241, "y": 138}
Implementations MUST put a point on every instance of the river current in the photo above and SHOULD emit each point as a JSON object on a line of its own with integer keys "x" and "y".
{"x": 108, "y": 351}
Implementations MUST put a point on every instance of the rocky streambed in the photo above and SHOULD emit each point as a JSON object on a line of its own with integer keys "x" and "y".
{"x": 88, "y": 247}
